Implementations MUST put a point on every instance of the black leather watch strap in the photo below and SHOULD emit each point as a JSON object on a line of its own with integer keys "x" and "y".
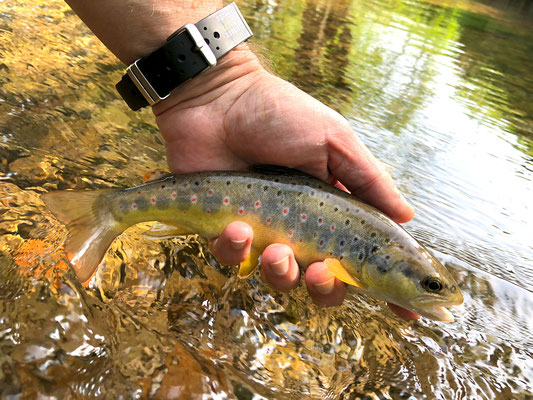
{"x": 189, "y": 51}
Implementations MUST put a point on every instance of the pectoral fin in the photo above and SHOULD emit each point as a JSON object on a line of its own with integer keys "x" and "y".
{"x": 336, "y": 268}
{"x": 164, "y": 231}
{"x": 248, "y": 265}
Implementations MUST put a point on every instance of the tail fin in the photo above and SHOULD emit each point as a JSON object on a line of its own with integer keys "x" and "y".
{"x": 91, "y": 227}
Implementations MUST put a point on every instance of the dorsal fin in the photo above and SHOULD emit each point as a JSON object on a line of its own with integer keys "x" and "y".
{"x": 269, "y": 169}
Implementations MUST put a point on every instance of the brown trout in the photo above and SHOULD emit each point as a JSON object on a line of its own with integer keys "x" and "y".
{"x": 359, "y": 244}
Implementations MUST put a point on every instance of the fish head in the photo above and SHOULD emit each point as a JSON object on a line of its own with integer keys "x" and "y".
{"x": 412, "y": 278}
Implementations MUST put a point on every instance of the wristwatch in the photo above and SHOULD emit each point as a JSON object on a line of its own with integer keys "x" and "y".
{"x": 189, "y": 51}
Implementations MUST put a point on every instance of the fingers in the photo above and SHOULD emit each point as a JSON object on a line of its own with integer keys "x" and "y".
{"x": 233, "y": 245}
{"x": 279, "y": 268}
{"x": 351, "y": 162}
{"x": 324, "y": 288}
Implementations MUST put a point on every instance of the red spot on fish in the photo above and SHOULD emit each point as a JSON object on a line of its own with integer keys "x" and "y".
{"x": 301, "y": 240}
{"x": 174, "y": 195}
{"x": 315, "y": 235}
{"x": 290, "y": 233}
{"x": 134, "y": 206}
{"x": 257, "y": 204}
{"x": 320, "y": 220}
{"x": 241, "y": 211}
{"x": 269, "y": 220}
{"x": 285, "y": 211}
{"x": 194, "y": 199}
{"x": 209, "y": 211}
{"x": 210, "y": 191}
{"x": 342, "y": 243}
{"x": 153, "y": 199}
{"x": 121, "y": 207}
{"x": 226, "y": 200}
{"x": 304, "y": 217}
{"x": 139, "y": 192}
{"x": 321, "y": 242}
{"x": 332, "y": 227}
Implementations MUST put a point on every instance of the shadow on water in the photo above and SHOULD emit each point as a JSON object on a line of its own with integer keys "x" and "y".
{"x": 438, "y": 90}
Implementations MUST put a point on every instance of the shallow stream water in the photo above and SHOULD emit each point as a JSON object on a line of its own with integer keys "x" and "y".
{"x": 441, "y": 91}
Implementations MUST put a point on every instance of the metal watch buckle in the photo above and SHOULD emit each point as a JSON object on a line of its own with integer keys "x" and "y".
{"x": 144, "y": 86}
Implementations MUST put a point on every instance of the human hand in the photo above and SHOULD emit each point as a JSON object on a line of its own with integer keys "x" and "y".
{"x": 236, "y": 115}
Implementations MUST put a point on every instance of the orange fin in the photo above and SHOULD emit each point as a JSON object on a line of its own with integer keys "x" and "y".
{"x": 336, "y": 268}
{"x": 91, "y": 227}
{"x": 248, "y": 266}
{"x": 151, "y": 176}
{"x": 164, "y": 231}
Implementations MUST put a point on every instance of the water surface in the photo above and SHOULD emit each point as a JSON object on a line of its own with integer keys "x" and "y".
{"x": 441, "y": 93}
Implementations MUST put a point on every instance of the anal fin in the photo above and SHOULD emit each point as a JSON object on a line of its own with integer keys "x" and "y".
{"x": 164, "y": 231}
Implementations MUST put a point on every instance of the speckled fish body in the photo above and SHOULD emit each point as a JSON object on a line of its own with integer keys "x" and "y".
{"x": 317, "y": 220}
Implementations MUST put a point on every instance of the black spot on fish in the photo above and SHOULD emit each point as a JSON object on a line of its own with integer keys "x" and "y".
{"x": 249, "y": 186}
{"x": 347, "y": 222}
{"x": 406, "y": 271}
{"x": 321, "y": 204}
{"x": 142, "y": 204}
{"x": 162, "y": 202}
{"x": 228, "y": 183}
{"x": 381, "y": 264}
{"x": 387, "y": 257}
{"x": 276, "y": 180}
{"x": 174, "y": 182}
{"x": 361, "y": 256}
{"x": 162, "y": 186}
{"x": 197, "y": 183}
{"x": 374, "y": 249}
{"x": 341, "y": 257}
{"x": 363, "y": 222}
{"x": 373, "y": 234}
{"x": 336, "y": 209}
{"x": 265, "y": 188}
{"x": 279, "y": 193}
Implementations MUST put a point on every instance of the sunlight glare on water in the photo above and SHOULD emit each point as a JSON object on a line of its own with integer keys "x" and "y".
{"x": 439, "y": 91}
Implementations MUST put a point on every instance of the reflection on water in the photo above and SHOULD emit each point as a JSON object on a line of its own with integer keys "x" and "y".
{"x": 439, "y": 90}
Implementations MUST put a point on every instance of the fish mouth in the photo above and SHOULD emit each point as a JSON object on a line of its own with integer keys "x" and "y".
{"x": 438, "y": 313}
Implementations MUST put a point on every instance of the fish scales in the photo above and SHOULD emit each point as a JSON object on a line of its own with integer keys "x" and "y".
{"x": 358, "y": 244}
{"x": 314, "y": 218}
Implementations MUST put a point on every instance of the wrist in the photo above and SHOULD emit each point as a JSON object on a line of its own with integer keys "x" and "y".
{"x": 240, "y": 68}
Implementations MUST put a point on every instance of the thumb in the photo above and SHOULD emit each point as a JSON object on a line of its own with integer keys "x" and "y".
{"x": 350, "y": 161}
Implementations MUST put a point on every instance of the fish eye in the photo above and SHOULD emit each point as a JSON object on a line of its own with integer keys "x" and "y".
{"x": 432, "y": 284}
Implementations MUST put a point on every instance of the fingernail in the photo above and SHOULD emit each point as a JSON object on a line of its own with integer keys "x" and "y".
{"x": 280, "y": 267}
{"x": 238, "y": 244}
{"x": 325, "y": 287}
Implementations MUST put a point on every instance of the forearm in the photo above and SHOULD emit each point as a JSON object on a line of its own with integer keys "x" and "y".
{"x": 134, "y": 28}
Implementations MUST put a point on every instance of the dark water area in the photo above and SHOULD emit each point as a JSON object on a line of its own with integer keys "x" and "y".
{"x": 440, "y": 91}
